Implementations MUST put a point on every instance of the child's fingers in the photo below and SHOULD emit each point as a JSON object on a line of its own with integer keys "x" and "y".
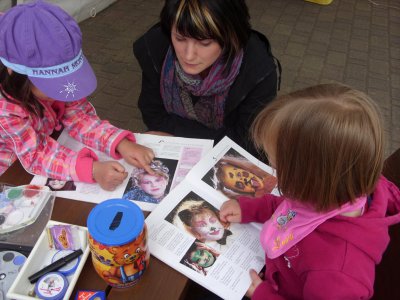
{"x": 229, "y": 216}
{"x": 232, "y": 218}
{"x": 255, "y": 279}
{"x": 150, "y": 155}
{"x": 147, "y": 168}
{"x": 118, "y": 167}
{"x": 223, "y": 214}
{"x": 230, "y": 211}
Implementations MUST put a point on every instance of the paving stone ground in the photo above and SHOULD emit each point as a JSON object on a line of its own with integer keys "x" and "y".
{"x": 356, "y": 42}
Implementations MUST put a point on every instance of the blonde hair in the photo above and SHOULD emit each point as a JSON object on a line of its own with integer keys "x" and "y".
{"x": 156, "y": 165}
{"x": 327, "y": 142}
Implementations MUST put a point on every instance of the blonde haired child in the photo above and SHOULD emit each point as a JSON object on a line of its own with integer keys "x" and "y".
{"x": 328, "y": 230}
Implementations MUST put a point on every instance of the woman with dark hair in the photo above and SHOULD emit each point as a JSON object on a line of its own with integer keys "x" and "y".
{"x": 205, "y": 72}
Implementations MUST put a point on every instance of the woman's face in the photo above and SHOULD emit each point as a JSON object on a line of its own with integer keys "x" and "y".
{"x": 194, "y": 56}
{"x": 57, "y": 184}
{"x": 154, "y": 185}
{"x": 207, "y": 226}
{"x": 202, "y": 257}
{"x": 240, "y": 180}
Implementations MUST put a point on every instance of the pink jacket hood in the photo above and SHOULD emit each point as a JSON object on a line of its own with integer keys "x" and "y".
{"x": 383, "y": 211}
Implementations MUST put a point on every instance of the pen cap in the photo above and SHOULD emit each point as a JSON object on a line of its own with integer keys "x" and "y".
{"x": 115, "y": 222}
{"x": 70, "y": 267}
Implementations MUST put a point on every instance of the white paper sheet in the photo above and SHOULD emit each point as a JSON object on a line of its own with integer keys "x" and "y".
{"x": 233, "y": 249}
{"x": 178, "y": 155}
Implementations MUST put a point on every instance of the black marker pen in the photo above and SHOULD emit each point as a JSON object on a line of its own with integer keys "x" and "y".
{"x": 55, "y": 265}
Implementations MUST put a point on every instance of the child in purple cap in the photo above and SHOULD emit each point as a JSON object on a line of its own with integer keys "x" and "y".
{"x": 44, "y": 82}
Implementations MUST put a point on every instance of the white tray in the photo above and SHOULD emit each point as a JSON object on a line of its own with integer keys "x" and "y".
{"x": 40, "y": 257}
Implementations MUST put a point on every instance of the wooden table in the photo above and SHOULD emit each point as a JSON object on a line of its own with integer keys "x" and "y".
{"x": 158, "y": 282}
{"x": 163, "y": 282}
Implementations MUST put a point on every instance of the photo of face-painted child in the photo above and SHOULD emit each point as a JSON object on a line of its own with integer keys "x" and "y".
{"x": 199, "y": 257}
{"x": 200, "y": 219}
{"x": 151, "y": 188}
{"x": 60, "y": 185}
{"x": 234, "y": 175}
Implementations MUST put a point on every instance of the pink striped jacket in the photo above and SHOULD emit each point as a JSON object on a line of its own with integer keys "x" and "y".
{"x": 27, "y": 137}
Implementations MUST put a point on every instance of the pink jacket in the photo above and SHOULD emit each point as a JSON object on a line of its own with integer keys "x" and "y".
{"x": 337, "y": 260}
{"x": 27, "y": 137}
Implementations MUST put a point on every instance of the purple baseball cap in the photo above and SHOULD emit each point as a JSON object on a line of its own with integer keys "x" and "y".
{"x": 42, "y": 41}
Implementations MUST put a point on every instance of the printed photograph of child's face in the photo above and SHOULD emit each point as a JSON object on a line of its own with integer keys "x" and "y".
{"x": 199, "y": 258}
{"x": 206, "y": 225}
{"x": 234, "y": 175}
{"x": 200, "y": 219}
{"x": 202, "y": 257}
{"x": 151, "y": 188}
{"x": 154, "y": 185}
{"x": 60, "y": 185}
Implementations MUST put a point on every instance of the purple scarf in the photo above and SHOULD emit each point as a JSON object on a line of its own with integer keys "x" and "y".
{"x": 177, "y": 89}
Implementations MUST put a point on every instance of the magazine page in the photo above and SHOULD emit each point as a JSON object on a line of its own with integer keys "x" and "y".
{"x": 174, "y": 158}
{"x": 186, "y": 233}
{"x": 232, "y": 172}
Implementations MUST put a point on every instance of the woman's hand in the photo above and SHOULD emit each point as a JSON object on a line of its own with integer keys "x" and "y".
{"x": 255, "y": 282}
{"x": 137, "y": 155}
{"x": 230, "y": 212}
{"x": 158, "y": 133}
{"x": 109, "y": 174}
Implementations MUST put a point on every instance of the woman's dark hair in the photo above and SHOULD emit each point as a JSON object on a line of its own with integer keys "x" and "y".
{"x": 226, "y": 21}
{"x": 16, "y": 88}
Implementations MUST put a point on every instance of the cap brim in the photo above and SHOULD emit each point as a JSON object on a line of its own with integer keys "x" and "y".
{"x": 71, "y": 87}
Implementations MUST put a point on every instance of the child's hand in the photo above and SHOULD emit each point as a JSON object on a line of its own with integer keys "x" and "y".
{"x": 230, "y": 212}
{"x": 135, "y": 154}
{"x": 109, "y": 174}
{"x": 255, "y": 282}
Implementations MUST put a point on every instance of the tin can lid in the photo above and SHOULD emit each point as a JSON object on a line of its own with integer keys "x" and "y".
{"x": 51, "y": 286}
{"x": 70, "y": 267}
{"x": 115, "y": 222}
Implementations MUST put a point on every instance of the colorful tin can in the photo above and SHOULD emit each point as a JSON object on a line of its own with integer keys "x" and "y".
{"x": 118, "y": 242}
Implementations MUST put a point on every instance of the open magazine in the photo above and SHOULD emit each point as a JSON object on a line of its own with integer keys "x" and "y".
{"x": 186, "y": 233}
{"x": 174, "y": 158}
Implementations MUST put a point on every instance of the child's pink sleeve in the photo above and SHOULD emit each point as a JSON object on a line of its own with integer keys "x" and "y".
{"x": 40, "y": 154}
{"x": 258, "y": 209}
{"x": 124, "y": 135}
{"x": 84, "y": 165}
{"x": 82, "y": 123}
